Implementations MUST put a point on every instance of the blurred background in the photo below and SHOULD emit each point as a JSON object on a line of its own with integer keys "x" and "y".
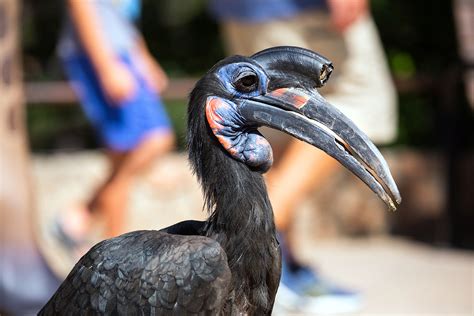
{"x": 416, "y": 260}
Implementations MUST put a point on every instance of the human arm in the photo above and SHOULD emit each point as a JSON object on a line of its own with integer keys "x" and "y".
{"x": 116, "y": 80}
{"x": 346, "y": 12}
{"x": 154, "y": 75}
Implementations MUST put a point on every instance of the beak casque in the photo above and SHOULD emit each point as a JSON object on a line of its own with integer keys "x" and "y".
{"x": 303, "y": 113}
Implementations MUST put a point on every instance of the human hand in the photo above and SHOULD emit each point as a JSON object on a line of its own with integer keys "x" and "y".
{"x": 153, "y": 74}
{"x": 346, "y": 12}
{"x": 117, "y": 81}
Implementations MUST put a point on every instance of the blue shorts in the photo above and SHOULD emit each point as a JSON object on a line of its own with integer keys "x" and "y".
{"x": 120, "y": 126}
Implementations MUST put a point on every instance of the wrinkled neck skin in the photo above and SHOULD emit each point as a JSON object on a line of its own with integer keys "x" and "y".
{"x": 241, "y": 141}
{"x": 241, "y": 221}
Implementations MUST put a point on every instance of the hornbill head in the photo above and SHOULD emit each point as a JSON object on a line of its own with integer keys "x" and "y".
{"x": 277, "y": 87}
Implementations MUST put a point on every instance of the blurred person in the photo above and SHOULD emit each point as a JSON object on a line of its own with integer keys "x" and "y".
{"x": 361, "y": 88}
{"x": 118, "y": 83}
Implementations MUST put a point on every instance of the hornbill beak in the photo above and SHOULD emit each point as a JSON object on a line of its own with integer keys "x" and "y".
{"x": 299, "y": 110}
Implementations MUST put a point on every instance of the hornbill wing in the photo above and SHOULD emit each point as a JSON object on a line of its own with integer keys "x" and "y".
{"x": 146, "y": 272}
{"x": 186, "y": 228}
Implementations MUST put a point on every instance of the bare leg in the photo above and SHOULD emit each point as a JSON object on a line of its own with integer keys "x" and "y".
{"x": 301, "y": 169}
{"x": 111, "y": 198}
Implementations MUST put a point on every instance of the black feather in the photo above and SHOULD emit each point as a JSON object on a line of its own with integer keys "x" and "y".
{"x": 228, "y": 265}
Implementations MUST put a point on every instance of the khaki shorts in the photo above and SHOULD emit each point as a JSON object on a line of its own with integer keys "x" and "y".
{"x": 360, "y": 86}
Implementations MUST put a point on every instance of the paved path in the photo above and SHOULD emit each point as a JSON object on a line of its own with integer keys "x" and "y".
{"x": 397, "y": 277}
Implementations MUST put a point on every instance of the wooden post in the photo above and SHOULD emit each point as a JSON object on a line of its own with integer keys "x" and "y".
{"x": 25, "y": 281}
{"x": 15, "y": 184}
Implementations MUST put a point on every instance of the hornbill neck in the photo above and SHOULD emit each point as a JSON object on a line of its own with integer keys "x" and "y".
{"x": 238, "y": 200}
{"x": 236, "y": 197}
{"x": 242, "y": 222}
{"x": 241, "y": 216}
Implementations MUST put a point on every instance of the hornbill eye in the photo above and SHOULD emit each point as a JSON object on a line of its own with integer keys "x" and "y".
{"x": 246, "y": 82}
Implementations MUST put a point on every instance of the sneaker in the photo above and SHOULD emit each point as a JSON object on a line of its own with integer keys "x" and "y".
{"x": 75, "y": 239}
{"x": 302, "y": 291}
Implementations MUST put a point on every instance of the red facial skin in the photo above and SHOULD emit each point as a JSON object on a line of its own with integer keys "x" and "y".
{"x": 215, "y": 120}
{"x": 292, "y": 96}
{"x": 245, "y": 145}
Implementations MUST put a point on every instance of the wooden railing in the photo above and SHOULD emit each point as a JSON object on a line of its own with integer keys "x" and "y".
{"x": 60, "y": 93}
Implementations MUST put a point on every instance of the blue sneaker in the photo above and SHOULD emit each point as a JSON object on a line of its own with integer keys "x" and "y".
{"x": 303, "y": 291}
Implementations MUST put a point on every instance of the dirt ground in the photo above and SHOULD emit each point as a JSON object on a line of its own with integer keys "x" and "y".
{"x": 395, "y": 276}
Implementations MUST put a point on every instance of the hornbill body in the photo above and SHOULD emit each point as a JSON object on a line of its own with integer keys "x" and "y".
{"x": 229, "y": 264}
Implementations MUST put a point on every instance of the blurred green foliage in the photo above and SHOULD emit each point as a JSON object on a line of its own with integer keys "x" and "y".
{"x": 417, "y": 121}
{"x": 66, "y": 128}
{"x": 418, "y": 37}
{"x": 422, "y": 31}
{"x": 403, "y": 65}
{"x": 182, "y": 36}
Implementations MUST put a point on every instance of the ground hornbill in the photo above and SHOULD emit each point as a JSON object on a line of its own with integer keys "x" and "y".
{"x": 229, "y": 264}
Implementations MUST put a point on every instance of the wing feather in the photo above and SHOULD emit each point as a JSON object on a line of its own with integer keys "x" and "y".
{"x": 146, "y": 272}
